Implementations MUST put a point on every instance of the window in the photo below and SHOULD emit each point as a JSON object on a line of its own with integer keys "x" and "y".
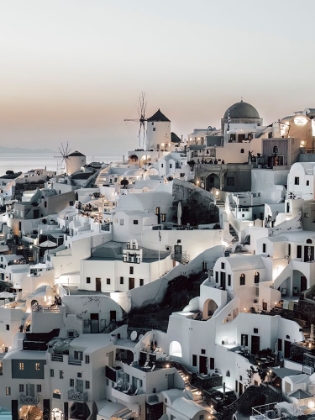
{"x": 21, "y": 388}
{"x": 163, "y": 216}
{"x": 121, "y": 222}
{"x": 88, "y": 279}
{"x": 121, "y": 280}
{"x": 228, "y": 373}
{"x": 201, "y": 417}
{"x": 8, "y": 390}
{"x": 229, "y": 279}
{"x": 37, "y": 366}
{"x": 7, "y": 327}
{"x": 242, "y": 280}
{"x": 230, "y": 181}
{"x": 107, "y": 281}
{"x": 203, "y": 351}
{"x": 256, "y": 277}
{"x": 61, "y": 374}
{"x": 141, "y": 283}
{"x": 211, "y": 363}
{"x": 154, "y": 128}
{"x": 162, "y": 165}
{"x": 39, "y": 388}
{"x": 264, "y": 248}
{"x": 79, "y": 375}
{"x": 87, "y": 359}
{"x": 71, "y": 382}
{"x": 136, "y": 222}
{"x": 52, "y": 373}
{"x": 299, "y": 251}
{"x": 289, "y": 249}
{"x": 21, "y": 366}
{"x": 309, "y": 241}
{"x": 157, "y": 210}
{"x": 171, "y": 166}
{"x": 296, "y": 180}
{"x": 307, "y": 183}
{"x": 244, "y": 340}
{"x": 222, "y": 266}
{"x": 217, "y": 277}
{"x": 255, "y": 330}
{"x": 87, "y": 384}
{"x": 194, "y": 360}
{"x": 242, "y": 151}
{"x": 130, "y": 270}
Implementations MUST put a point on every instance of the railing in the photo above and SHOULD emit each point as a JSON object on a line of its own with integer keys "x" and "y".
{"x": 75, "y": 395}
{"x": 28, "y": 400}
{"x": 77, "y": 362}
{"x": 56, "y": 357}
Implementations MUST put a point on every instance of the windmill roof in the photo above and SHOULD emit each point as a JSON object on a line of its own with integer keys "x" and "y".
{"x": 175, "y": 138}
{"x": 76, "y": 153}
{"x": 158, "y": 116}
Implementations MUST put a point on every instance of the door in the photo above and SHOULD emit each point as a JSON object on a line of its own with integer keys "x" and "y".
{"x": 240, "y": 388}
{"x": 131, "y": 283}
{"x": 222, "y": 280}
{"x": 112, "y": 316}
{"x": 79, "y": 385}
{"x": 255, "y": 344}
{"x": 303, "y": 284}
{"x": 94, "y": 323}
{"x": 202, "y": 364}
{"x": 170, "y": 381}
{"x": 98, "y": 284}
{"x": 30, "y": 390}
{"x": 287, "y": 347}
{"x": 308, "y": 253}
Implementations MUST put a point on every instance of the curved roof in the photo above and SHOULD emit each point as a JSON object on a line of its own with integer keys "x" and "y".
{"x": 245, "y": 262}
{"x": 76, "y": 153}
{"x": 187, "y": 407}
{"x": 241, "y": 110}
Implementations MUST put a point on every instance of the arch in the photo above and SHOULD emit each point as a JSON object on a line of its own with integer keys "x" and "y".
{"x": 309, "y": 241}
{"x": 209, "y": 307}
{"x": 242, "y": 279}
{"x": 175, "y": 349}
{"x": 212, "y": 181}
{"x": 275, "y": 150}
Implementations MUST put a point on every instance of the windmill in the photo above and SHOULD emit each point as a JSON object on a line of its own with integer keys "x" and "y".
{"x": 141, "y": 120}
{"x": 64, "y": 154}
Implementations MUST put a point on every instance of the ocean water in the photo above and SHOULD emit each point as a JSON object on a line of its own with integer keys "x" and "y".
{"x": 25, "y": 162}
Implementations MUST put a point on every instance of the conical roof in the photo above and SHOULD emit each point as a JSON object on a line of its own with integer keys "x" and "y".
{"x": 158, "y": 116}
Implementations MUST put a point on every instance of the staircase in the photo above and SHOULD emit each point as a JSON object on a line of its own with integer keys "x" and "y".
{"x": 233, "y": 233}
{"x": 220, "y": 203}
{"x": 195, "y": 392}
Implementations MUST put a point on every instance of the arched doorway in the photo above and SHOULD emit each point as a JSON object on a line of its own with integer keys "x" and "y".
{"x": 175, "y": 349}
{"x": 209, "y": 307}
{"x": 212, "y": 181}
{"x": 56, "y": 414}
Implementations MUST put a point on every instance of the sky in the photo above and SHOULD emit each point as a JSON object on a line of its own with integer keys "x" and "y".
{"x": 73, "y": 70}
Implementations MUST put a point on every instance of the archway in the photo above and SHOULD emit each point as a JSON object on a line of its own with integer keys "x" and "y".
{"x": 212, "y": 181}
{"x": 209, "y": 307}
{"x": 175, "y": 349}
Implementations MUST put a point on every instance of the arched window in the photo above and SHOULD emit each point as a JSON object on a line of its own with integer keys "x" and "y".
{"x": 309, "y": 241}
{"x": 227, "y": 373}
{"x": 256, "y": 277}
{"x": 275, "y": 150}
{"x": 242, "y": 280}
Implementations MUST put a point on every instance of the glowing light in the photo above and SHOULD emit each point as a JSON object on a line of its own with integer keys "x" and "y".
{"x": 300, "y": 120}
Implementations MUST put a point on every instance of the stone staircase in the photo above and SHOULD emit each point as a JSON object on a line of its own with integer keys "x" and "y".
{"x": 233, "y": 233}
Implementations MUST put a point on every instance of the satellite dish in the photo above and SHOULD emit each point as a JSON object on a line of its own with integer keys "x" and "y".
{"x": 140, "y": 337}
{"x": 134, "y": 335}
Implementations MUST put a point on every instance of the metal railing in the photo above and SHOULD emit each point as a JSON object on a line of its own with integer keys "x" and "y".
{"x": 75, "y": 395}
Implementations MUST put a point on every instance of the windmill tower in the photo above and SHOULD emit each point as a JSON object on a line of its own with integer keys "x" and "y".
{"x": 141, "y": 120}
{"x": 73, "y": 161}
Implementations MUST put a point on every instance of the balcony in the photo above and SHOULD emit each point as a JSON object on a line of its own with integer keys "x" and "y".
{"x": 76, "y": 362}
{"x": 28, "y": 400}
{"x": 138, "y": 397}
{"x": 75, "y": 395}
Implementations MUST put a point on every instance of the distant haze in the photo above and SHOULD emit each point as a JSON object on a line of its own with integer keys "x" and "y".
{"x": 73, "y": 70}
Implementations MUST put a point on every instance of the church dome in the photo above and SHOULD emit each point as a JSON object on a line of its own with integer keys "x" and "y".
{"x": 241, "y": 110}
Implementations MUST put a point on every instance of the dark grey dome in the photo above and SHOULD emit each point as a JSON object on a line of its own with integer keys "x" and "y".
{"x": 241, "y": 110}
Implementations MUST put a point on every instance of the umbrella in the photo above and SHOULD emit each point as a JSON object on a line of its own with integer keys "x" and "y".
{"x": 179, "y": 213}
{"x": 47, "y": 244}
{"x": 6, "y": 295}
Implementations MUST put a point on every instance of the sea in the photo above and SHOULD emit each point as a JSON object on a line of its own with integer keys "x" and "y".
{"x": 24, "y": 162}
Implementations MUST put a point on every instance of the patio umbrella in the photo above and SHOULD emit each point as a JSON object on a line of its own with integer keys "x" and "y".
{"x": 6, "y": 295}
{"x": 47, "y": 244}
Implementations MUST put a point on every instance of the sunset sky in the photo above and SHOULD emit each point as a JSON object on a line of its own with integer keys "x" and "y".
{"x": 72, "y": 70}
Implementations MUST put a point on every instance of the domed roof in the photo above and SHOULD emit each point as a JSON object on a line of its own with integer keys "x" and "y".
{"x": 241, "y": 110}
